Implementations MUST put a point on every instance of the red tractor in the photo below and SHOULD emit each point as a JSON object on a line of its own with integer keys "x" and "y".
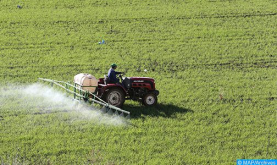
{"x": 130, "y": 88}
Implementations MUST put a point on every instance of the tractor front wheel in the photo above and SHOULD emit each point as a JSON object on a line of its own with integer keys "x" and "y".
{"x": 115, "y": 97}
{"x": 149, "y": 99}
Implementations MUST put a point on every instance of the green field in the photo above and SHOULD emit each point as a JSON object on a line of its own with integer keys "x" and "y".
{"x": 214, "y": 63}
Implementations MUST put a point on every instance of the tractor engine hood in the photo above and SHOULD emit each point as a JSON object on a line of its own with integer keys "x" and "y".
{"x": 141, "y": 79}
{"x": 139, "y": 82}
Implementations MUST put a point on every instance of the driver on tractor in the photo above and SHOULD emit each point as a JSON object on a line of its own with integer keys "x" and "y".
{"x": 112, "y": 74}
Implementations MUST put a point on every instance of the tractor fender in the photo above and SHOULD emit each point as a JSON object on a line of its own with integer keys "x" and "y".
{"x": 156, "y": 92}
{"x": 112, "y": 86}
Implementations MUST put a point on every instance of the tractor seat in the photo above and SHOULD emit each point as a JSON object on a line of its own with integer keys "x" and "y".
{"x": 106, "y": 80}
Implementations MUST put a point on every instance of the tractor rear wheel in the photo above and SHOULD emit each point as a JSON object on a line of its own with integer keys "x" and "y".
{"x": 115, "y": 97}
{"x": 150, "y": 99}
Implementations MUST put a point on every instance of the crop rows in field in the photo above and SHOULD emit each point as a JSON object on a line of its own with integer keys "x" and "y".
{"x": 214, "y": 63}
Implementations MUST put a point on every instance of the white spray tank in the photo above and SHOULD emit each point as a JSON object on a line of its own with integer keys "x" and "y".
{"x": 87, "y": 81}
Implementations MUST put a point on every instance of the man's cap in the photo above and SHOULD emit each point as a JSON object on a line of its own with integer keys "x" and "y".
{"x": 113, "y": 65}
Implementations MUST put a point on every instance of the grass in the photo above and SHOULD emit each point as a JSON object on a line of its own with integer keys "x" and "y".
{"x": 214, "y": 63}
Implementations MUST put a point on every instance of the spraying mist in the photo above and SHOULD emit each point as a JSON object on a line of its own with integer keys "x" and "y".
{"x": 40, "y": 99}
